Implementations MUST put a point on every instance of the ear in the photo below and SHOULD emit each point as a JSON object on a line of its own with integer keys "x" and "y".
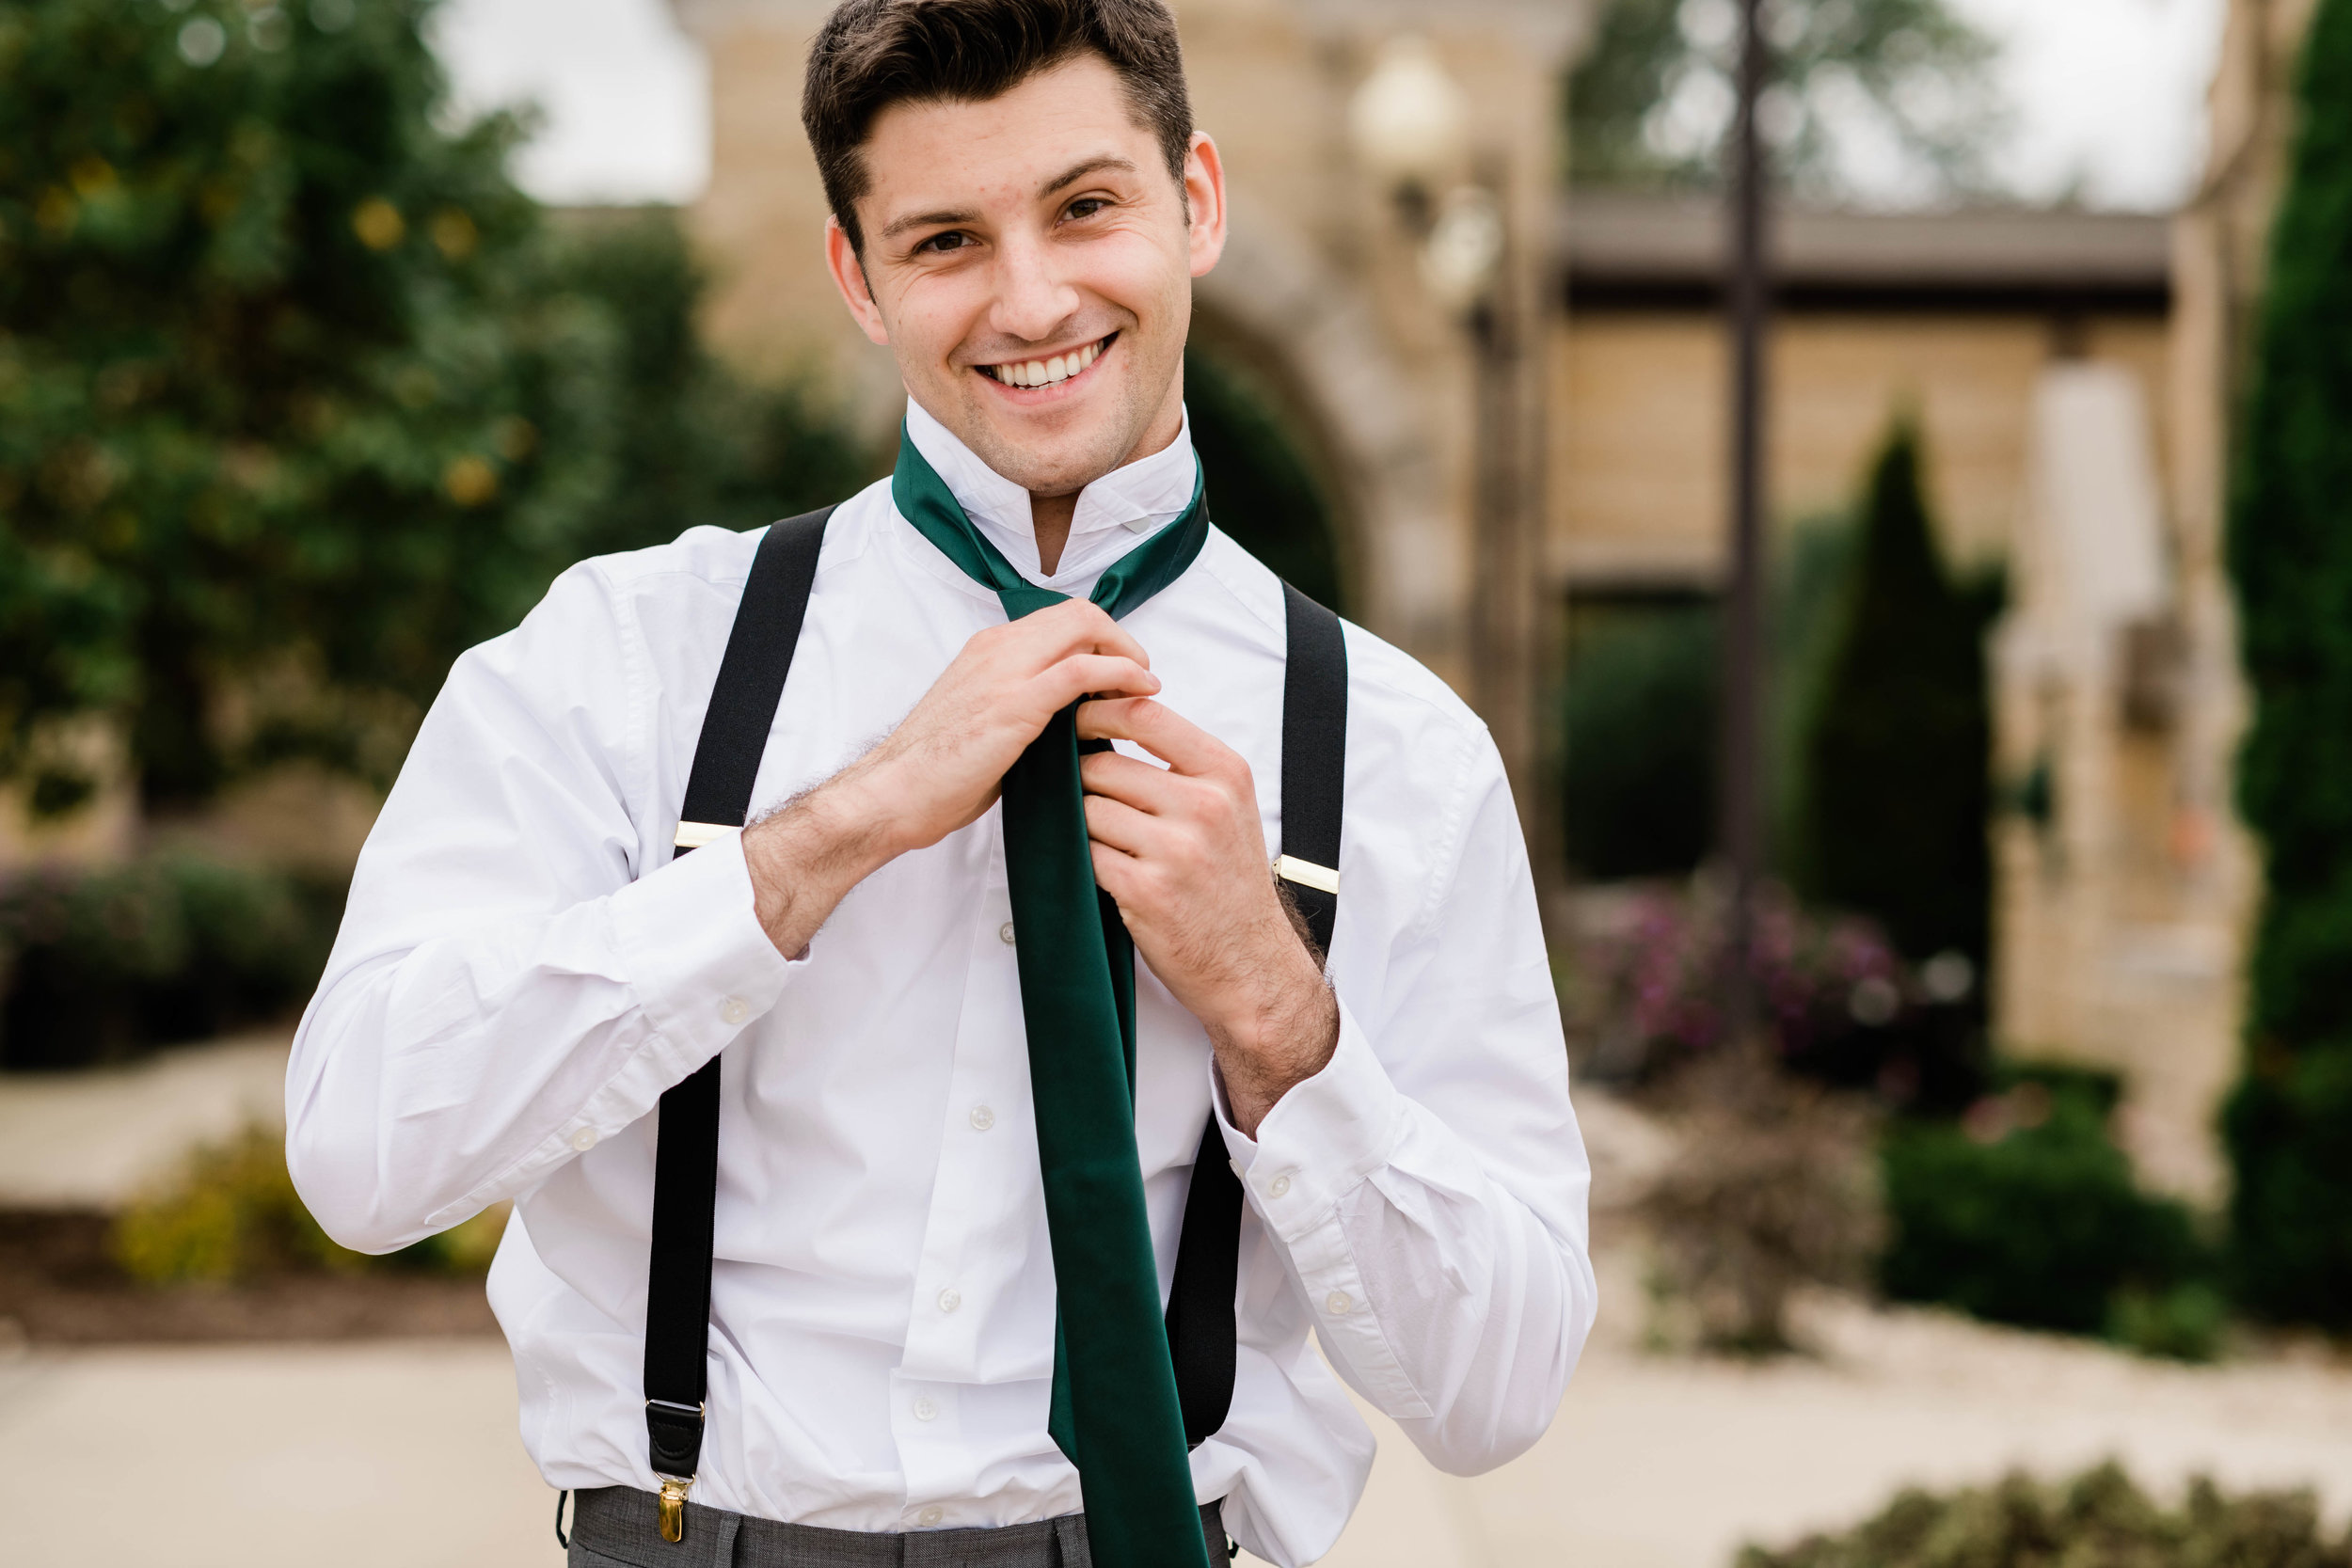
{"x": 1204, "y": 201}
{"x": 848, "y": 276}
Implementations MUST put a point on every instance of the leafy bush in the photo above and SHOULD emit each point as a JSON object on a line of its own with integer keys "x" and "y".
{"x": 1842, "y": 1007}
{"x": 96, "y": 964}
{"x": 2025, "y": 1211}
{"x": 231, "y": 1216}
{"x": 1774, "y": 1189}
{"x": 2290, "y": 555}
{"x": 2099, "y": 1519}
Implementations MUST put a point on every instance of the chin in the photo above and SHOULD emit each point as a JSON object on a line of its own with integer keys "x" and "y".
{"x": 1056, "y": 455}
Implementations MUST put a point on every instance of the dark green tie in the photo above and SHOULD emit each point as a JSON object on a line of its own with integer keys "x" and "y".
{"x": 1115, "y": 1410}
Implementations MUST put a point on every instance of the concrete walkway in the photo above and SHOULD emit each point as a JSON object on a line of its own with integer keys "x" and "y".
{"x": 405, "y": 1453}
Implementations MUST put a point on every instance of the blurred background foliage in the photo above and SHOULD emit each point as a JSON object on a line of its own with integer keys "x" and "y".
{"x": 2099, "y": 1519}
{"x": 299, "y": 396}
{"x": 1885, "y": 95}
{"x": 2289, "y": 1123}
{"x": 174, "y": 946}
{"x": 229, "y": 1215}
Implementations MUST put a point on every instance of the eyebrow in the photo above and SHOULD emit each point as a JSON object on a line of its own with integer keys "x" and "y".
{"x": 1080, "y": 170}
{"x": 897, "y": 227}
{"x": 1069, "y": 176}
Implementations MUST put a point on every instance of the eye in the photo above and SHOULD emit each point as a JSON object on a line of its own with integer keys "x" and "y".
{"x": 954, "y": 238}
{"x": 1087, "y": 206}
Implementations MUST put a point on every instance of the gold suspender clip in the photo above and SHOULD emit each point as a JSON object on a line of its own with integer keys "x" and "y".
{"x": 693, "y": 836}
{"x": 674, "y": 1490}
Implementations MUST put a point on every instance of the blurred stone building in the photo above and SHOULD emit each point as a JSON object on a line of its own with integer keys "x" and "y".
{"x": 1551, "y": 430}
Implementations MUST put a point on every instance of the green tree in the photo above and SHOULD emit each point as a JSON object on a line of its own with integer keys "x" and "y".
{"x": 299, "y": 396}
{"x": 282, "y": 416}
{"x": 698, "y": 444}
{"x": 1895, "y": 752}
{"x": 1652, "y": 99}
{"x": 2289, "y": 1124}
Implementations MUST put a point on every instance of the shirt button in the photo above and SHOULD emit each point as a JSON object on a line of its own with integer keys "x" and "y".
{"x": 982, "y": 1119}
{"x": 1004, "y": 933}
{"x": 930, "y": 1515}
{"x": 925, "y": 1410}
{"x": 734, "y": 1010}
{"x": 1279, "y": 1187}
{"x": 1338, "y": 1303}
{"x": 585, "y": 1139}
{"x": 949, "y": 1299}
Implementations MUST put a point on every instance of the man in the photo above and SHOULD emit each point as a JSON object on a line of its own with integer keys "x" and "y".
{"x": 1020, "y": 204}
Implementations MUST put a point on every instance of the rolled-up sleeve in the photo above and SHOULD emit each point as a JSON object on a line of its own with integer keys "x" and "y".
{"x": 1428, "y": 1187}
{"x": 506, "y": 988}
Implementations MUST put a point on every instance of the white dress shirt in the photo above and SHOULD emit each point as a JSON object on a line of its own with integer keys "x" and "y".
{"x": 523, "y": 970}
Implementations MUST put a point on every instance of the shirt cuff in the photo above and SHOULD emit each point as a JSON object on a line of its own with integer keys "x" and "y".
{"x": 696, "y": 954}
{"x": 1321, "y": 1139}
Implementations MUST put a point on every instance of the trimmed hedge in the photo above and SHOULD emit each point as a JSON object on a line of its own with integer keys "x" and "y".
{"x": 96, "y": 966}
{"x": 2026, "y": 1212}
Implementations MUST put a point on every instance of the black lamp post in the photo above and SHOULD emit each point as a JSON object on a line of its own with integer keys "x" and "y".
{"x": 1741, "y": 826}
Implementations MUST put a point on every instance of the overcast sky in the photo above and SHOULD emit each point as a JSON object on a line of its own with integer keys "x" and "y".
{"x": 2109, "y": 94}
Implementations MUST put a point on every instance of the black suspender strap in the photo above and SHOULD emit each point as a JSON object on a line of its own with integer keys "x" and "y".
{"x": 735, "y": 731}
{"x": 686, "y": 1151}
{"x": 1200, "y": 1329}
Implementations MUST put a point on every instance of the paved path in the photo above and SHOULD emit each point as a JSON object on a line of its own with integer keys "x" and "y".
{"x": 91, "y": 1140}
{"x": 405, "y": 1453}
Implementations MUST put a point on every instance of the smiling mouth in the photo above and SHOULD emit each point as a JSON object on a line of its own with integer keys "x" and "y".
{"x": 1049, "y": 371}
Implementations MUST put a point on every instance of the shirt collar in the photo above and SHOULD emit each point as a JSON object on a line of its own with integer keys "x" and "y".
{"x": 1115, "y": 513}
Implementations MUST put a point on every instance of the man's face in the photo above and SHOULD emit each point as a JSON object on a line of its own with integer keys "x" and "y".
{"x": 1030, "y": 261}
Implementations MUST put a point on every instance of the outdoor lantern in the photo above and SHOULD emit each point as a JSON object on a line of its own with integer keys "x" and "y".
{"x": 1407, "y": 119}
{"x": 1464, "y": 247}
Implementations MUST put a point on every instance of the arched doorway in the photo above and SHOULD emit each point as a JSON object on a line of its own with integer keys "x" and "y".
{"x": 1266, "y": 486}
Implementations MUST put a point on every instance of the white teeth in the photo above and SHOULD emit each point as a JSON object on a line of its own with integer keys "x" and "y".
{"x": 1044, "y": 373}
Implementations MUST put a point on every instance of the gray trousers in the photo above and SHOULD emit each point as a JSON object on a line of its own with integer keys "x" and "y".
{"x": 618, "y": 1527}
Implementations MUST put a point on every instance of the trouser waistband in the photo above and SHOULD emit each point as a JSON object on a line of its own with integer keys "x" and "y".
{"x": 620, "y": 1524}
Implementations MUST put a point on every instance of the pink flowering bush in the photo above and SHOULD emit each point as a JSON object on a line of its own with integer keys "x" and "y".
{"x": 1645, "y": 979}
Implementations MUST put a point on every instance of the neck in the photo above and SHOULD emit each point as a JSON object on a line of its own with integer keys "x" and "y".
{"x": 1050, "y": 517}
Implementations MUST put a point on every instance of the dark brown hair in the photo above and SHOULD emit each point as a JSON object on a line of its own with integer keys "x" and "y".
{"x": 872, "y": 54}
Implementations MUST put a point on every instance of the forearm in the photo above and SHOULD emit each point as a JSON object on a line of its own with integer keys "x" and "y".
{"x": 805, "y": 857}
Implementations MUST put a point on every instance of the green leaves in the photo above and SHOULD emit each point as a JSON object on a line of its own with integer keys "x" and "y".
{"x": 1651, "y": 102}
{"x": 299, "y": 396}
{"x": 2290, "y": 555}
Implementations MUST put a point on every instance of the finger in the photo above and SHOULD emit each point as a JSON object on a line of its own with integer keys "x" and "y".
{"x": 1115, "y": 874}
{"x": 1141, "y": 785}
{"x": 1120, "y": 826}
{"x": 1072, "y": 626}
{"x": 1159, "y": 730}
{"x": 1083, "y": 674}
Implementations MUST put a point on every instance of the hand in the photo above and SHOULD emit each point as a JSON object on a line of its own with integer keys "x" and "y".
{"x": 941, "y": 768}
{"x": 1181, "y": 850}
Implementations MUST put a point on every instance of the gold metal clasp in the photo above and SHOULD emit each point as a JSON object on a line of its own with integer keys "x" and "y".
{"x": 674, "y": 1508}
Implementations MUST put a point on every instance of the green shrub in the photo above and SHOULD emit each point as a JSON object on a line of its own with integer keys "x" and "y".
{"x": 2026, "y": 1212}
{"x": 2288, "y": 1125}
{"x": 96, "y": 965}
{"x": 2290, "y": 557}
{"x": 231, "y": 1215}
{"x": 2097, "y": 1520}
{"x": 1896, "y": 749}
{"x": 1638, "y": 711}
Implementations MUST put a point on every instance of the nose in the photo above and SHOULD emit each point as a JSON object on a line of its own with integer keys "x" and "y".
{"x": 1032, "y": 299}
